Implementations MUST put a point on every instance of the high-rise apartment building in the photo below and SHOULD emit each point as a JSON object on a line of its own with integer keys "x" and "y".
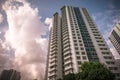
{"x": 10, "y": 75}
{"x": 75, "y": 39}
{"x": 55, "y": 50}
{"x": 115, "y": 37}
{"x": 118, "y": 63}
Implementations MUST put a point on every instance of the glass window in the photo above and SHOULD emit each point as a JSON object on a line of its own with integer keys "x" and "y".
{"x": 76, "y": 48}
{"x": 84, "y": 57}
{"x": 77, "y": 52}
{"x": 81, "y": 44}
{"x": 79, "y": 62}
{"x": 78, "y": 57}
{"x": 75, "y": 40}
{"x": 82, "y": 48}
{"x": 83, "y": 53}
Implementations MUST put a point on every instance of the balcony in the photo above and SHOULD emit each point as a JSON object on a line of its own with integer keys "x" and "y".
{"x": 52, "y": 75}
{"x": 53, "y": 59}
{"x": 68, "y": 70}
{"x": 67, "y": 62}
{"x": 65, "y": 49}
{"x": 53, "y": 69}
{"x": 67, "y": 56}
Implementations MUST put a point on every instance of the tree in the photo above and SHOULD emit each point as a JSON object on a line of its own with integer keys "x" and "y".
{"x": 59, "y": 79}
{"x": 95, "y": 71}
{"x": 78, "y": 76}
{"x": 91, "y": 71}
{"x": 70, "y": 76}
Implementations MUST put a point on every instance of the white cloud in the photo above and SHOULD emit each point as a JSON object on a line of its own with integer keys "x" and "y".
{"x": 49, "y": 22}
{"x": 22, "y": 1}
{"x": 24, "y": 36}
{"x": 5, "y": 58}
{"x": 1, "y": 18}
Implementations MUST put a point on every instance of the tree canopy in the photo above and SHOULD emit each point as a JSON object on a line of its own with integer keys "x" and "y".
{"x": 95, "y": 71}
{"x": 70, "y": 76}
{"x": 91, "y": 71}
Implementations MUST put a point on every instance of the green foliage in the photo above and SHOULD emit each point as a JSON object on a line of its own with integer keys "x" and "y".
{"x": 59, "y": 79}
{"x": 78, "y": 76}
{"x": 70, "y": 76}
{"x": 95, "y": 71}
{"x": 91, "y": 71}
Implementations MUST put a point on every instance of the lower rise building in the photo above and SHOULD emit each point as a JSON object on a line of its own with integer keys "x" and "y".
{"x": 10, "y": 75}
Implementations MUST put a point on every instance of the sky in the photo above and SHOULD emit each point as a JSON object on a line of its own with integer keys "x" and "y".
{"x": 25, "y": 26}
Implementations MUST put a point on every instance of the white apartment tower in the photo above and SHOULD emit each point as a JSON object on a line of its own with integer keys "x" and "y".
{"x": 75, "y": 39}
{"x": 54, "y": 62}
{"x": 115, "y": 37}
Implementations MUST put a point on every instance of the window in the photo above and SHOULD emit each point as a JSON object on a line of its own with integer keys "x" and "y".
{"x": 110, "y": 62}
{"x": 98, "y": 37}
{"x": 78, "y": 57}
{"x": 83, "y": 53}
{"x": 73, "y": 34}
{"x": 75, "y": 44}
{"x": 117, "y": 74}
{"x": 82, "y": 48}
{"x": 77, "y": 31}
{"x": 84, "y": 57}
{"x": 107, "y": 57}
{"x": 77, "y": 52}
{"x": 113, "y": 68}
{"x": 101, "y": 44}
{"x": 78, "y": 34}
{"x": 81, "y": 44}
{"x": 74, "y": 37}
{"x": 99, "y": 41}
{"x": 105, "y": 53}
{"x": 75, "y": 40}
{"x": 80, "y": 41}
{"x": 79, "y": 62}
{"x": 76, "y": 48}
{"x": 78, "y": 37}
{"x": 73, "y": 31}
{"x": 103, "y": 48}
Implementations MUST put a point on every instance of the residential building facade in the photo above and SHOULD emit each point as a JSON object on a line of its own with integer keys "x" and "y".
{"x": 115, "y": 37}
{"x": 10, "y": 75}
{"x": 118, "y": 63}
{"x": 75, "y": 39}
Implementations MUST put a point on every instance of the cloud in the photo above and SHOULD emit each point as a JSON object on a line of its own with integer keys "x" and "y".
{"x": 22, "y": 0}
{"x": 105, "y": 21}
{"x": 1, "y": 18}
{"x": 49, "y": 21}
{"x": 24, "y": 36}
{"x": 5, "y": 59}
